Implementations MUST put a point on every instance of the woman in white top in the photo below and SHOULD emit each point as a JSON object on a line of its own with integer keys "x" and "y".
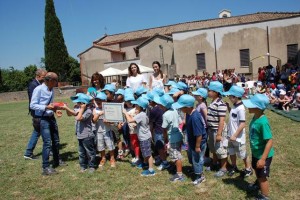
{"x": 135, "y": 79}
{"x": 157, "y": 79}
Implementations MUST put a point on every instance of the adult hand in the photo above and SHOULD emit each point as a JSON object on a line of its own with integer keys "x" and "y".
{"x": 50, "y": 106}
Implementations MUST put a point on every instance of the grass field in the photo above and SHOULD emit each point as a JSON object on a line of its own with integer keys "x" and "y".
{"x": 22, "y": 179}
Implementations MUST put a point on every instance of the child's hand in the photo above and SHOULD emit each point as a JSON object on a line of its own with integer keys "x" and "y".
{"x": 260, "y": 163}
{"x": 218, "y": 138}
{"x": 198, "y": 149}
{"x": 83, "y": 106}
{"x": 50, "y": 106}
{"x": 233, "y": 138}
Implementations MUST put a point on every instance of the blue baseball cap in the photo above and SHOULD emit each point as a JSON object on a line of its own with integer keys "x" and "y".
{"x": 109, "y": 87}
{"x": 76, "y": 96}
{"x": 150, "y": 95}
{"x": 142, "y": 102}
{"x": 235, "y": 90}
{"x": 159, "y": 91}
{"x": 173, "y": 91}
{"x": 165, "y": 100}
{"x": 129, "y": 97}
{"x": 128, "y": 91}
{"x": 82, "y": 98}
{"x": 184, "y": 100}
{"x": 170, "y": 83}
{"x": 140, "y": 90}
{"x": 120, "y": 91}
{"x": 182, "y": 86}
{"x": 260, "y": 101}
{"x": 101, "y": 96}
{"x": 216, "y": 86}
{"x": 201, "y": 92}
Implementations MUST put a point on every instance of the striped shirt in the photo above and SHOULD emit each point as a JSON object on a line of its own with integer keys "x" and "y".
{"x": 215, "y": 110}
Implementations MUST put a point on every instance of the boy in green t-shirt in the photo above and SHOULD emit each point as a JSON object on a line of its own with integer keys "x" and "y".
{"x": 260, "y": 142}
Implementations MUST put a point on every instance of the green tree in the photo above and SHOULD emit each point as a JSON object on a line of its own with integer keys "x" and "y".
{"x": 74, "y": 72}
{"x": 56, "y": 53}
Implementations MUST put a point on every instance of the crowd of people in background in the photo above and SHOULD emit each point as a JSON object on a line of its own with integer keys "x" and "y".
{"x": 161, "y": 120}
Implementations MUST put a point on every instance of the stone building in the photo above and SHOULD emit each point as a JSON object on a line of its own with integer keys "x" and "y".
{"x": 191, "y": 47}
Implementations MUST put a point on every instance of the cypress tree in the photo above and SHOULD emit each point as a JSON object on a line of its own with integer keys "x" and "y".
{"x": 56, "y": 53}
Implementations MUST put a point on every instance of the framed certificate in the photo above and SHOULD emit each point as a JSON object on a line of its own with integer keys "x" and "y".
{"x": 113, "y": 112}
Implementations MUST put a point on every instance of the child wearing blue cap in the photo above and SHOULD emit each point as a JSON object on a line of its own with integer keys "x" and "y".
{"x": 155, "y": 122}
{"x": 261, "y": 142}
{"x": 236, "y": 131}
{"x": 83, "y": 127}
{"x": 196, "y": 135}
{"x": 143, "y": 131}
{"x": 104, "y": 132}
{"x": 216, "y": 123}
{"x": 171, "y": 133}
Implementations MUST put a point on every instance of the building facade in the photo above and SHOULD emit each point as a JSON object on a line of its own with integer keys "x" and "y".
{"x": 241, "y": 42}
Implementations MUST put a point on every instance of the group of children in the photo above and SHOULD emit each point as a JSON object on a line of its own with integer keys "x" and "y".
{"x": 155, "y": 121}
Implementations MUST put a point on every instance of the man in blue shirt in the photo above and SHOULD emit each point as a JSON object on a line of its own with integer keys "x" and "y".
{"x": 41, "y": 103}
{"x": 39, "y": 79}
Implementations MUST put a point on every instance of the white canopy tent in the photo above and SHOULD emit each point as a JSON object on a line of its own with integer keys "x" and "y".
{"x": 110, "y": 72}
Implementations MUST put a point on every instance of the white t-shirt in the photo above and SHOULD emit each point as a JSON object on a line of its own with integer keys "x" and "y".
{"x": 157, "y": 83}
{"x": 236, "y": 116}
{"x": 135, "y": 81}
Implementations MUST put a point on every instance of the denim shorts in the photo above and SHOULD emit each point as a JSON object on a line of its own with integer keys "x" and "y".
{"x": 262, "y": 172}
{"x": 105, "y": 139}
{"x": 146, "y": 147}
{"x": 159, "y": 141}
{"x": 175, "y": 151}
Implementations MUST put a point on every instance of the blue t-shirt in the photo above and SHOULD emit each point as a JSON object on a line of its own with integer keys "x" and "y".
{"x": 171, "y": 123}
{"x": 195, "y": 128}
{"x": 156, "y": 118}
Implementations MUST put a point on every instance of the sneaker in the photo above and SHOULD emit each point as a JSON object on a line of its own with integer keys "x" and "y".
{"x": 199, "y": 180}
{"x": 60, "y": 163}
{"x": 82, "y": 170}
{"x": 246, "y": 172}
{"x": 120, "y": 155}
{"x": 133, "y": 160}
{"x": 184, "y": 147}
{"x": 163, "y": 166}
{"x": 102, "y": 162}
{"x": 253, "y": 186}
{"x": 176, "y": 178}
{"x": 142, "y": 166}
{"x": 48, "y": 171}
{"x": 31, "y": 157}
{"x": 148, "y": 173}
{"x": 157, "y": 161}
{"x": 208, "y": 169}
{"x": 262, "y": 197}
{"x": 136, "y": 163}
{"x": 112, "y": 163}
{"x": 232, "y": 171}
{"x": 220, "y": 173}
{"x": 127, "y": 151}
{"x": 92, "y": 170}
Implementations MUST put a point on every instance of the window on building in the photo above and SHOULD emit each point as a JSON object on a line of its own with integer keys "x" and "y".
{"x": 292, "y": 50}
{"x": 244, "y": 57}
{"x": 200, "y": 61}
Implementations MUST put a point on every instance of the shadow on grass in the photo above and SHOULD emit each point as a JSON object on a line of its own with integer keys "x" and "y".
{"x": 69, "y": 156}
{"x": 241, "y": 184}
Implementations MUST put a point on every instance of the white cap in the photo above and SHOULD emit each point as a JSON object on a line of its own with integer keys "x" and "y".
{"x": 282, "y": 92}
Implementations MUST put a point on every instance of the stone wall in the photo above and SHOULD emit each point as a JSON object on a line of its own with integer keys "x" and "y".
{"x": 23, "y": 96}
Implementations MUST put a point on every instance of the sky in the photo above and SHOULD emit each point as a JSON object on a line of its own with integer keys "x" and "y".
{"x": 84, "y": 21}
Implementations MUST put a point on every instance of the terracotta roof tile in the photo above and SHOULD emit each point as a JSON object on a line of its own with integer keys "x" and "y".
{"x": 203, "y": 24}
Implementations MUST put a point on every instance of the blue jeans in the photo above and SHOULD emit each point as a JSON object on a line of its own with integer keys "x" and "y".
{"x": 49, "y": 132}
{"x": 197, "y": 159}
{"x": 32, "y": 143}
{"x": 87, "y": 153}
